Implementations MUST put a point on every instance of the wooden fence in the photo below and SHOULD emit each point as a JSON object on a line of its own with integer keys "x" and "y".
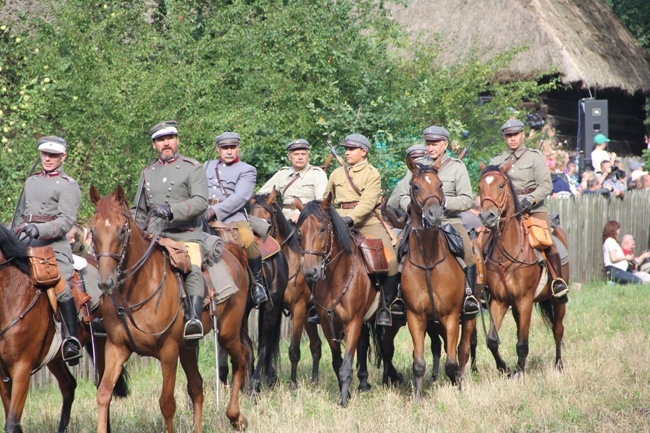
{"x": 583, "y": 219}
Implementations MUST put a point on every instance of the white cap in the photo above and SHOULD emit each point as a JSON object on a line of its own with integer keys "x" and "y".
{"x": 169, "y": 130}
{"x": 52, "y": 144}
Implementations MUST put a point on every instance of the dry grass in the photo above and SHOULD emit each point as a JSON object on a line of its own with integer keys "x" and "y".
{"x": 604, "y": 386}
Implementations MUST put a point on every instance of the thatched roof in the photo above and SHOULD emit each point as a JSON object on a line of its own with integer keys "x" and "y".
{"x": 582, "y": 39}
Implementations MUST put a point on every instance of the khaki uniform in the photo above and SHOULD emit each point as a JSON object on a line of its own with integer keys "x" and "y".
{"x": 180, "y": 183}
{"x": 458, "y": 194}
{"x": 361, "y": 208}
{"x": 54, "y": 196}
{"x": 529, "y": 175}
{"x": 310, "y": 185}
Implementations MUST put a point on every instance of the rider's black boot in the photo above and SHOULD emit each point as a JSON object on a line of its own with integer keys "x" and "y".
{"x": 258, "y": 288}
{"x": 71, "y": 348}
{"x": 393, "y": 305}
{"x": 194, "y": 328}
{"x": 470, "y": 304}
{"x": 558, "y": 286}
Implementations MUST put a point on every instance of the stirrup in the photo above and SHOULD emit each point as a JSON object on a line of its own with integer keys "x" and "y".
{"x": 397, "y": 307}
{"x": 312, "y": 316}
{"x": 562, "y": 290}
{"x": 193, "y": 330}
{"x": 69, "y": 354}
{"x": 384, "y": 317}
{"x": 470, "y": 306}
{"x": 97, "y": 325}
{"x": 258, "y": 294}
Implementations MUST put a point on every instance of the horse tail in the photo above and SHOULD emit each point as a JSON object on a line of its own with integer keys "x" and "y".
{"x": 121, "y": 388}
{"x": 548, "y": 315}
{"x": 274, "y": 336}
{"x": 377, "y": 338}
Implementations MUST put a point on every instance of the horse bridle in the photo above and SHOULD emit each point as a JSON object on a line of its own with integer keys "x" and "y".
{"x": 426, "y": 199}
{"x": 327, "y": 253}
{"x": 504, "y": 200}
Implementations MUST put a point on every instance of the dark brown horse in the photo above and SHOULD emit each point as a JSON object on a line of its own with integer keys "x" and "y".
{"x": 433, "y": 282}
{"x": 344, "y": 294}
{"x": 513, "y": 269}
{"x": 297, "y": 294}
{"x": 27, "y": 331}
{"x": 143, "y": 312}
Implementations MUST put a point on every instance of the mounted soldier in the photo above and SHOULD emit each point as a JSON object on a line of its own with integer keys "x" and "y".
{"x": 458, "y": 198}
{"x": 532, "y": 180}
{"x": 302, "y": 180}
{"x": 231, "y": 184}
{"x": 46, "y": 211}
{"x": 174, "y": 188}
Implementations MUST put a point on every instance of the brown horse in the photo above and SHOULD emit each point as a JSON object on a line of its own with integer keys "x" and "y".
{"x": 297, "y": 294}
{"x": 27, "y": 331}
{"x": 513, "y": 269}
{"x": 143, "y": 312}
{"x": 433, "y": 282}
{"x": 344, "y": 295}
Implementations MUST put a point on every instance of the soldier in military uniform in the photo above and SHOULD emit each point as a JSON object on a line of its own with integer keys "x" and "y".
{"x": 46, "y": 212}
{"x": 174, "y": 187}
{"x": 358, "y": 211}
{"x": 231, "y": 183}
{"x": 458, "y": 198}
{"x": 302, "y": 180}
{"x": 532, "y": 180}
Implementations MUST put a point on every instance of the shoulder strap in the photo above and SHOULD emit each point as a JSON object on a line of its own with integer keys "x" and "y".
{"x": 223, "y": 190}
{"x": 444, "y": 164}
{"x": 295, "y": 178}
{"x": 354, "y": 187}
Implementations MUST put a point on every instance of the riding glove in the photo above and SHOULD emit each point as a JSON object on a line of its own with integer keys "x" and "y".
{"x": 31, "y": 230}
{"x": 164, "y": 212}
{"x": 209, "y": 214}
{"x": 348, "y": 221}
{"x": 527, "y": 203}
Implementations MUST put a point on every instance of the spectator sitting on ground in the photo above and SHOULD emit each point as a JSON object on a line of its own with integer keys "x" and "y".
{"x": 616, "y": 263}
{"x": 599, "y": 154}
{"x": 627, "y": 245}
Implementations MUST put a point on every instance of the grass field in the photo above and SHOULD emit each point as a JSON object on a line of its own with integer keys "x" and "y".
{"x": 605, "y": 386}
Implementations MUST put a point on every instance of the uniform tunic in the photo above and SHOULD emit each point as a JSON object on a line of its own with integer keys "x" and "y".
{"x": 238, "y": 182}
{"x": 360, "y": 208}
{"x": 310, "y": 185}
{"x": 58, "y": 196}
{"x": 529, "y": 172}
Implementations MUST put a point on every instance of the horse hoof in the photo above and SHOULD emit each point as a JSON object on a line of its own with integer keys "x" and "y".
{"x": 240, "y": 424}
{"x": 366, "y": 387}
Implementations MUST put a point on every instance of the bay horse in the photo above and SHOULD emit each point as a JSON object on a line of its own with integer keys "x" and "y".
{"x": 297, "y": 293}
{"x": 344, "y": 295}
{"x": 513, "y": 271}
{"x": 433, "y": 281}
{"x": 143, "y": 312}
{"x": 27, "y": 331}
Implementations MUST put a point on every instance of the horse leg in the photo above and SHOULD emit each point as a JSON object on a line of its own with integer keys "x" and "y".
{"x": 315, "y": 347}
{"x": 558, "y": 332}
{"x": 362, "y": 358}
{"x": 223, "y": 366}
{"x": 299, "y": 319}
{"x": 390, "y": 375}
{"x": 352, "y": 335}
{"x": 468, "y": 334}
{"x": 5, "y": 393}
{"x": 115, "y": 359}
{"x": 230, "y": 340}
{"x": 497, "y": 312}
{"x": 417, "y": 323}
{"x": 335, "y": 348}
{"x": 473, "y": 343}
{"x": 522, "y": 312}
{"x": 167, "y": 401}
{"x": 67, "y": 386}
{"x": 452, "y": 330}
{"x": 19, "y": 387}
{"x": 189, "y": 361}
{"x": 436, "y": 348}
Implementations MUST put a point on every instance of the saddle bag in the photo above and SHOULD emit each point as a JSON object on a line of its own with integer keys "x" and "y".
{"x": 178, "y": 255}
{"x": 539, "y": 235}
{"x": 227, "y": 231}
{"x": 454, "y": 240}
{"x": 42, "y": 266}
{"x": 372, "y": 251}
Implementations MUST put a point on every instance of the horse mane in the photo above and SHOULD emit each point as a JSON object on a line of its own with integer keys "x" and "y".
{"x": 284, "y": 226}
{"x": 13, "y": 248}
{"x": 497, "y": 168}
{"x": 425, "y": 168}
{"x": 342, "y": 235}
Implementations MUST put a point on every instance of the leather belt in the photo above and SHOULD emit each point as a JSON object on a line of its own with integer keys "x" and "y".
{"x": 348, "y": 205}
{"x": 213, "y": 201}
{"x": 39, "y": 218}
{"x": 525, "y": 191}
{"x": 289, "y": 206}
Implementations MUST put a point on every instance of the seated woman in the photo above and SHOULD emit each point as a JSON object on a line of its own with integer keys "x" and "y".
{"x": 616, "y": 262}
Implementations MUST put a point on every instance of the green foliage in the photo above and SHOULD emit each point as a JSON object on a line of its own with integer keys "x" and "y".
{"x": 100, "y": 74}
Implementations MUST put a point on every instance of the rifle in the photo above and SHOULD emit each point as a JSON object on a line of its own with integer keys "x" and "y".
{"x": 393, "y": 238}
{"x": 327, "y": 162}
{"x": 465, "y": 149}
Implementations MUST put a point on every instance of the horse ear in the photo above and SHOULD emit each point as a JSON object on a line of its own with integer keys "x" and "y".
{"x": 507, "y": 166}
{"x": 271, "y": 198}
{"x": 327, "y": 201}
{"x": 119, "y": 194}
{"x": 298, "y": 204}
{"x": 94, "y": 195}
{"x": 481, "y": 166}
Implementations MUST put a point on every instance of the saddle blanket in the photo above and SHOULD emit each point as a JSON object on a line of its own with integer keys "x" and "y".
{"x": 373, "y": 308}
{"x": 224, "y": 286}
{"x": 54, "y": 347}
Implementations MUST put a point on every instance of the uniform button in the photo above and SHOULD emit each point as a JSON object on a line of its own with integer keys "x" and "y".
{"x": 166, "y": 201}
{"x": 169, "y": 189}
{"x": 153, "y": 168}
{"x": 178, "y": 166}
{"x": 167, "y": 195}
{"x": 148, "y": 184}
{"x": 173, "y": 183}
{"x": 150, "y": 196}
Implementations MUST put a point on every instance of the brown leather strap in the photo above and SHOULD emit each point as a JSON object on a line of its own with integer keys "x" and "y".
{"x": 289, "y": 206}
{"x": 525, "y": 191}
{"x": 295, "y": 178}
{"x": 348, "y": 205}
{"x": 39, "y": 218}
{"x": 223, "y": 190}
{"x": 213, "y": 201}
{"x": 347, "y": 174}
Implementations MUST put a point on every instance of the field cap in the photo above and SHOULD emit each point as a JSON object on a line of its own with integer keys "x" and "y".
{"x": 435, "y": 133}
{"x": 512, "y": 126}
{"x": 600, "y": 139}
{"x": 416, "y": 151}
{"x": 52, "y": 144}
{"x": 300, "y": 143}
{"x": 357, "y": 140}
{"x": 227, "y": 139}
{"x": 635, "y": 165}
{"x": 168, "y": 127}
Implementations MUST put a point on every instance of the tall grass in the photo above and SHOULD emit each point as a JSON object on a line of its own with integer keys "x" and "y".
{"x": 604, "y": 387}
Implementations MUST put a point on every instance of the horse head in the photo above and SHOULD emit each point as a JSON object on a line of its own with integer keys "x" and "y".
{"x": 498, "y": 200}
{"x": 323, "y": 236}
{"x": 111, "y": 230}
{"x": 427, "y": 196}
